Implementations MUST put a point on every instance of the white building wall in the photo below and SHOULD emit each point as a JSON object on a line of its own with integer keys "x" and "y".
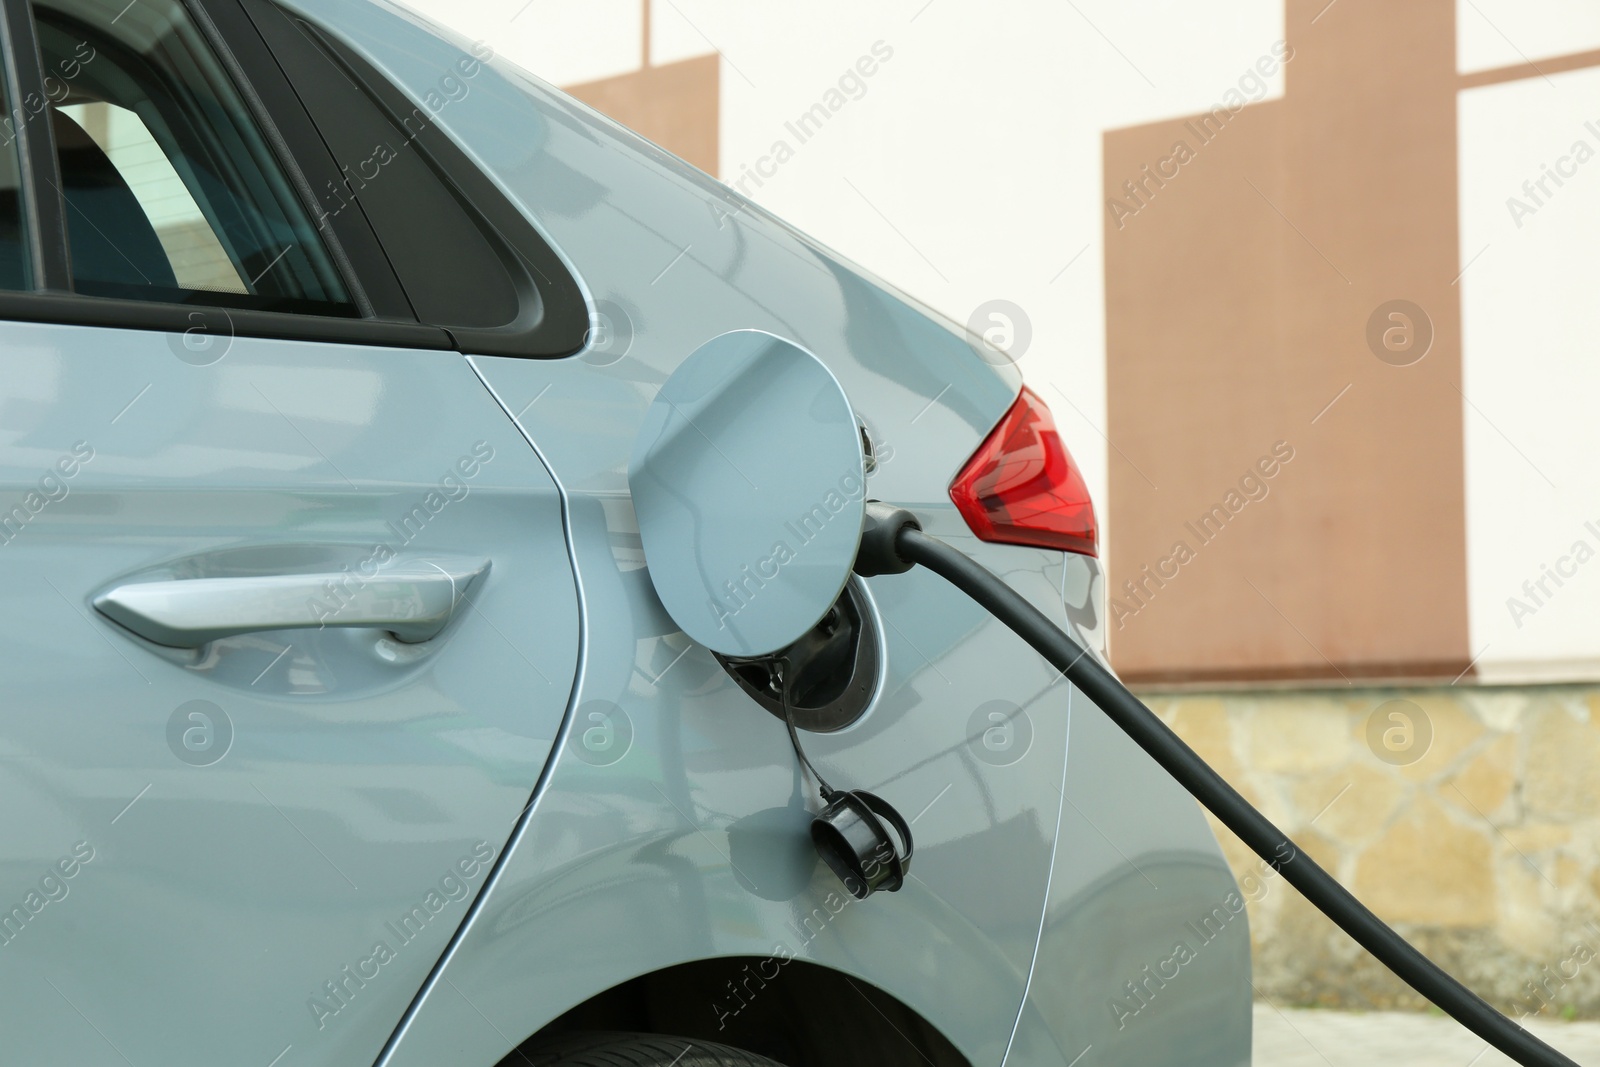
{"x": 1531, "y": 368}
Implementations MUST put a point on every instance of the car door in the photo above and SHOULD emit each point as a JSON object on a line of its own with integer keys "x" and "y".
{"x": 289, "y": 623}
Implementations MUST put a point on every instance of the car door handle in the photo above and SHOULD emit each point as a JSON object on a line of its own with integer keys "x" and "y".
{"x": 413, "y": 599}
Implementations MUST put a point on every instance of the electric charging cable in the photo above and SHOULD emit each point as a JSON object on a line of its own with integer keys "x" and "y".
{"x": 893, "y": 542}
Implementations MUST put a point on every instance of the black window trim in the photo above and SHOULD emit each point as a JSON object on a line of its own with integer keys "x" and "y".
{"x": 554, "y": 320}
{"x": 74, "y": 309}
{"x": 292, "y": 134}
{"x": 388, "y": 321}
{"x": 43, "y": 207}
{"x": 290, "y": 161}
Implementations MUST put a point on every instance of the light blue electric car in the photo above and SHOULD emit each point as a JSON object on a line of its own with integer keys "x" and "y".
{"x": 342, "y": 722}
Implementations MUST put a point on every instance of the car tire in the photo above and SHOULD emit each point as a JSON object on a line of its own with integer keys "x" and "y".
{"x": 638, "y": 1050}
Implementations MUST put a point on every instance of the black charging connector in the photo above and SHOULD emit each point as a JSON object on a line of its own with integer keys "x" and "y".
{"x": 859, "y": 835}
{"x": 896, "y": 543}
{"x": 880, "y": 540}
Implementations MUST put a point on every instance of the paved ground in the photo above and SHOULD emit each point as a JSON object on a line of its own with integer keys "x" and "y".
{"x": 1296, "y": 1038}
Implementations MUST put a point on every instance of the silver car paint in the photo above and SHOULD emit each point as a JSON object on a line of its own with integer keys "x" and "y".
{"x": 629, "y": 867}
{"x": 747, "y": 479}
{"x": 680, "y": 835}
{"x": 223, "y": 894}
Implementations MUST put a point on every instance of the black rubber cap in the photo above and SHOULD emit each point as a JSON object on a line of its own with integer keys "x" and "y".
{"x": 853, "y": 836}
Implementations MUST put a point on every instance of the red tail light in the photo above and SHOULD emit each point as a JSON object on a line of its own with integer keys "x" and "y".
{"x": 1022, "y": 488}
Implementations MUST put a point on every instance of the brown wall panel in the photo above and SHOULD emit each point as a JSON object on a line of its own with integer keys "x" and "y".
{"x": 1238, "y": 301}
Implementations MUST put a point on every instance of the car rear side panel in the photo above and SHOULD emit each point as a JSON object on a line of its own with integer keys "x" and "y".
{"x": 672, "y": 824}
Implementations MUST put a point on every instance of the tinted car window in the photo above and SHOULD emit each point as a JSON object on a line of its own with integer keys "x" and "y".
{"x": 171, "y": 192}
{"x": 452, "y": 271}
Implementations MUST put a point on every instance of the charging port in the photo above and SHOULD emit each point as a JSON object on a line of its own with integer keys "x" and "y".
{"x": 833, "y": 668}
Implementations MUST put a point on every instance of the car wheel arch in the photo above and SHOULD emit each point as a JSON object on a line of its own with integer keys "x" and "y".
{"x": 792, "y": 1010}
